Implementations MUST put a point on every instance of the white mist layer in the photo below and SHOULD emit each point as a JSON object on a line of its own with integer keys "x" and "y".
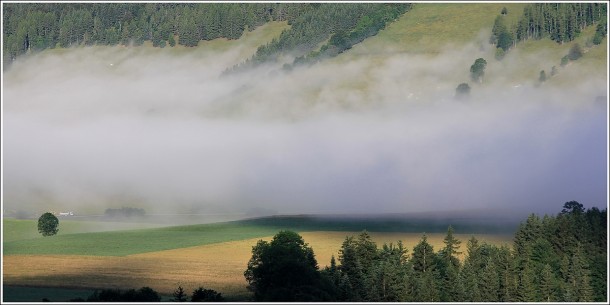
{"x": 110, "y": 127}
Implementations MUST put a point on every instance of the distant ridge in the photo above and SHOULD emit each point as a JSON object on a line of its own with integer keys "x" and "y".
{"x": 430, "y": 222}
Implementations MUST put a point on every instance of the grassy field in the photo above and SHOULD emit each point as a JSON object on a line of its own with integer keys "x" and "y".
{"x": 431, "y": 27}
{"x": 126, "y": 242}
{"x": 89, "y": 255}
{"x": 19, "y": 229}
{"x": 78, "y": 238}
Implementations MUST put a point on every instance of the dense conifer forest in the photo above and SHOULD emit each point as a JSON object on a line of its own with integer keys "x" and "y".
{"x": 34, "y": 27}
{"x": 561, "y": 258}
{"x": 561, "y": 22}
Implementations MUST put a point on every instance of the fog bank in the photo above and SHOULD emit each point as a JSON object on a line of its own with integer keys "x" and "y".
{"x": 90, "y": 128}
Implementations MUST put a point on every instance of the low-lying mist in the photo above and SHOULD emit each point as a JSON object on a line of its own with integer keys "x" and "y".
{"x": 90, "y": 128}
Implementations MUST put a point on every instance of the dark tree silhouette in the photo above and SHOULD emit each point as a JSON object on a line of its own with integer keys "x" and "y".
{"x": 48, "y": 224}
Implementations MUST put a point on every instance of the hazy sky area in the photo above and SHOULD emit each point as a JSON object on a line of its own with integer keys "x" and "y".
{"x": 112, "y": 126}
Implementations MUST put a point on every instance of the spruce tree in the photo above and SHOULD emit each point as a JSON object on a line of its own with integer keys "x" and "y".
{"x": 527, "y": 288}
{"x": 548, "y": 284}
{"x": 469, "y": 279}
{"x": 423, "y": 256}
{"x": 578, "y": 277}
{"x": 352, "y": 269}
{"x": 470, "y": 275}
{"x": 427, "y": 287}
{"x": 450, "y": 251}
{"x": 506, "y": 274}
{"x": 490, "y": 286}
{"x": 448, "y": 267}
{"x": 179, "y": 295}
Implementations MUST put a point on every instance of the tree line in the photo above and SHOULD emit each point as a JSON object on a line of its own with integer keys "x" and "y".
{"x": 37, "y": 26}
{"x": 558, "y": 258}
{"x": 560, "y": 22}
{"x": 147, "y": 294}
{"x": 124, "y": 212}
{"x": 29, "y": 27}
{"x": 326, "y": 29}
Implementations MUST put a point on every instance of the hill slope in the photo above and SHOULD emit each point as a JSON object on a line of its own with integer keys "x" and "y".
{"x": 430, "y": 27}
{"x": 461, "y": 31}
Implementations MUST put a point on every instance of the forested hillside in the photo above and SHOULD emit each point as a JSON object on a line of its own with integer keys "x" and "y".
{"x": 317, "y": 30}
{"x": 560, "y": 22}
{"x": 342, "y": 25}
{"x": 35, "y": 27}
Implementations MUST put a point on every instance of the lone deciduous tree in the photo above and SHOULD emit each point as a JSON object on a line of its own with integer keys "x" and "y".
{"x": 48, "y": 224}
{"x": 477, "y": 70}
{"x": 284, "y": 270}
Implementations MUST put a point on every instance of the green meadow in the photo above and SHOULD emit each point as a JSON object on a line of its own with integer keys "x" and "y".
{"x": 123, "y": 242}
{"x": 430, "y": 27}
{"x": 77, "y": 238}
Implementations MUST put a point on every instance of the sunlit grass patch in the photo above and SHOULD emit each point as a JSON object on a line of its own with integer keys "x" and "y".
{"x": 431, "y": 27}
{"x": 120, "y": 243}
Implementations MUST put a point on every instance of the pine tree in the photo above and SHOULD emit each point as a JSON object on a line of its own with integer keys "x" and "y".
{"x": 490, "y": 286}
{"x": 506, "y": 275}
{"x": 469, "y": 279}
{"x": 410, "y": 283}
{"x": 386, "y": 280}
{"x": 366, "y": 250}
{"x": 450, "y": 251}
{"x": 448, "y": 267}
{"x": 578, "y": 277}
{"x": 179, "y": 295}
{"x": 470, "y": 275}
{"x": 352, "y": 269}
{"x": 526, "y": 290}
{"x": 542, "y": 77}
{"x": 423, "y": 256}
{"x": 427, "y": 287}
{"x": 548, "y": 284}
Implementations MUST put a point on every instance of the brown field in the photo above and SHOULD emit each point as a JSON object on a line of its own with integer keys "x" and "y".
{"x": 217, "y": 266}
